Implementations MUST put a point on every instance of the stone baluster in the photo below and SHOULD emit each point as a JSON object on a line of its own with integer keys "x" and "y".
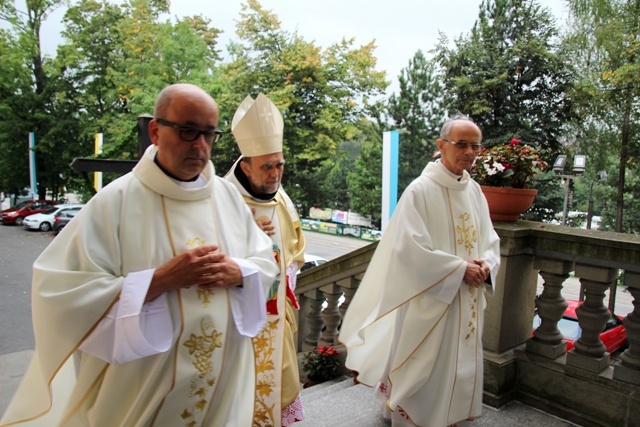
{"x": 349, "y": 286}
{"x": 589, "y": 352}
{"x": 331, "y": 315}
{"x": 550, "y": 306}
{"x": 312, "y": 307}
{"x": 628, "y": 368}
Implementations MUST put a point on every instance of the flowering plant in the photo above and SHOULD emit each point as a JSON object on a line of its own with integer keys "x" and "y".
{"x": 509, "y": 165}
{"x": 322, "y": 363}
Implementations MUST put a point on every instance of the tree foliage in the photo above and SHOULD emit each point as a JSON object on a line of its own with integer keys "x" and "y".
{"x": 604, "y": 44}
{"x": 365, "y": 177}
{"x": 417, "y": 111}
{"x": 323, "y": 94}
{"x": 509, "y": 75}
{"x": 26, "y": 102}
{"x": 117, "y": 58}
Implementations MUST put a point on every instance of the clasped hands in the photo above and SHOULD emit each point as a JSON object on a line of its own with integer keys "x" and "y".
{"x": 204, "y": 266}
{"x": 477, "y": 273}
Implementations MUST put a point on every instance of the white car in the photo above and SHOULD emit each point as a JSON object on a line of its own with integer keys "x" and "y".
{"x": 311, "y": 261}
{"x": 43, "y": 221}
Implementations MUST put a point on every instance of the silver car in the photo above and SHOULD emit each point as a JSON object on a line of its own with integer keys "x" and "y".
{"x": 43, "y": 221}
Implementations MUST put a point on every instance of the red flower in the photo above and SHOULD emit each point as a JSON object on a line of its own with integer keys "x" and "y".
{"x": 323, "y": 363}
{"x": 514, "y": 142}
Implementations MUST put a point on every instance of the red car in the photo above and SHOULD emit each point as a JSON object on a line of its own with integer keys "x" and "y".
{"x": 614, "y": 336}
{"x": 16, "y": 214}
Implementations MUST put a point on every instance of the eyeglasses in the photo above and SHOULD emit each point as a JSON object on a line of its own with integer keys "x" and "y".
{"x": 190, "y": 134}
{"x": 462, "y": 145}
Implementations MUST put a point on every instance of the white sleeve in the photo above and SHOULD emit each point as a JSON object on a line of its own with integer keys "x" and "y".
{"x": 248, "y": 303}
{"x": 132, "y": 329}
{"x": 292, "y": 275}
{"x": 450, "y": 285}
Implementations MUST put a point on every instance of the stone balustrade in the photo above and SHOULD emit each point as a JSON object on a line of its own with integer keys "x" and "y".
{"x": 582, "y": 385}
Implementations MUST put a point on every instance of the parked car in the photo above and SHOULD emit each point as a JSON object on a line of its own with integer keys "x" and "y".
{"x": 44, "y": 221}
{"x": 614, "y": 335}
{"x": 62, "y": 218}
{"x": 311, "y": 261}
{"x": 19, "y": 212}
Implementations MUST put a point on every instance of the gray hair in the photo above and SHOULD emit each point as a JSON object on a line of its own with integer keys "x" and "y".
{"x": 446, "y": 128}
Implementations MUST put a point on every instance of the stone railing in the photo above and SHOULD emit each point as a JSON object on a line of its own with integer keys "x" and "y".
{"x": 582, "y": 385}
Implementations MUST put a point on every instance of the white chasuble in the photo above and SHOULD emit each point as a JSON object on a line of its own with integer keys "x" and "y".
{"x": 136, "y": 223}
{"x": 414, "y": 328}
{"x": 200, "y": 351}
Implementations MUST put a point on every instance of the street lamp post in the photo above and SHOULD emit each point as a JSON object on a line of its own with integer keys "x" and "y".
{"x": 579, "y": 165}
{"x": 599, "y": 175}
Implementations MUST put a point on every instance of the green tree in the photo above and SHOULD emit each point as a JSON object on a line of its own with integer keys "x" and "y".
{"x": 417, "y": 111}
{"x": 323, "y": 95}
{"x": 605, "y": 48}
{"x": 334, "y": 184}
{"x": 118, "y": 57}
{"x": 26, "y": 102}
{"x": 15, "y": 122}
{"x": 509, "y": 75}
{"x": 365, "y": 177}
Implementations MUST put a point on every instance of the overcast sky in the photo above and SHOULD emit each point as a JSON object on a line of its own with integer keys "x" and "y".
{"x": 399, "y": 27}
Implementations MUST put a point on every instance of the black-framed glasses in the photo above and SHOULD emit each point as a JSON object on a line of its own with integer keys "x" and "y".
{"x": 463, "y": 145}
{"x": 190, "y": 134}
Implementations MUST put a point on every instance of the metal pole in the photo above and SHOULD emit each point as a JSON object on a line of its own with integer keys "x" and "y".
{"x": 566, "y": 200}
{"x": 590, "y": 208}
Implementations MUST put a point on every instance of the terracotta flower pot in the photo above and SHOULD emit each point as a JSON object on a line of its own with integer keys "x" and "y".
{"x": 506, "y": 203}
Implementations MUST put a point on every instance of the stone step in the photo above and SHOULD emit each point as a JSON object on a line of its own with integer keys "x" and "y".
{"x": 326, "y": 388}
{"x": 341, "y": 403}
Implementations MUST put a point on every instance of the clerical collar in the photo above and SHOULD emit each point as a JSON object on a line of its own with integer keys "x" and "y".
{"x": 244, "y": 181}
{"x": 448, "y": 172}
{"x": 155, "y": 160}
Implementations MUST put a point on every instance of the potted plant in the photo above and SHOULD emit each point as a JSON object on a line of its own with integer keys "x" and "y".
{"x": 503, "y": 172}
{"x": 323, "y": 364}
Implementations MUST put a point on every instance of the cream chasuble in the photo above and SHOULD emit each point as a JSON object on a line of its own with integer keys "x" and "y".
{"x": 278, "y": 380}
{"x": 136, "y": 223}
{"x": 414, "y": 328}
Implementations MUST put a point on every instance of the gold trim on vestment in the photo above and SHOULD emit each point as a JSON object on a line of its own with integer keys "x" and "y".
{"x": 200, "y": 347}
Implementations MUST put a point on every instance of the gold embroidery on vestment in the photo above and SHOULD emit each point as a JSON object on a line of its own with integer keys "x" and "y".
{"x": 467, "y": 235}
{"x": 196, "y": 242}
{"x": 203, "y": 294}
{"x": 201, "y": 348}
{"x": 265, "y": 373}
{"x": 473, "y": 301}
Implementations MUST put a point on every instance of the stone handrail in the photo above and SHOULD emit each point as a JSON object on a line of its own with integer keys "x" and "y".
{"x": 527, "y": 249}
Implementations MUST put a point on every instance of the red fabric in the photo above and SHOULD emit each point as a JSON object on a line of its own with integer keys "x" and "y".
{"x": 272, "y": 305}
{"x": 292, "y": 298}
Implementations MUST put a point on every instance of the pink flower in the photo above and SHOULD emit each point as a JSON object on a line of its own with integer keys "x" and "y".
{"x": 508, "y": 165}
